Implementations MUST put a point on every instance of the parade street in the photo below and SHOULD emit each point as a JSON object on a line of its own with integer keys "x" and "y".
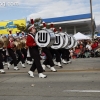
{"x": 79, "y": 80}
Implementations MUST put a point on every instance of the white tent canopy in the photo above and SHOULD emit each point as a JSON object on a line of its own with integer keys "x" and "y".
{"x": 80, "y": 36}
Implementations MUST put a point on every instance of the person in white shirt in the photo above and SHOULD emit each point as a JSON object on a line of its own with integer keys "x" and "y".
{"x": 88, "y": 46}
{"x": 88, "y": 50}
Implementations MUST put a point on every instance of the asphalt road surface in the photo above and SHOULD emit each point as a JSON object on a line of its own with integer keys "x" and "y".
{"x": 77, "y": 81}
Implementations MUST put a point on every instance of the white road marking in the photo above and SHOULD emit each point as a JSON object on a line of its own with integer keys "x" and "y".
{"x": 88, "y": 91}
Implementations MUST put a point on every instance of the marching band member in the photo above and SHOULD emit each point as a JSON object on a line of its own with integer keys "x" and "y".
{"x": 65, "y": 54}
{"x": 1, "y": 57}
{"x": 26, "y": 53}
{"x": 62, "y": 51}
{"x": 4, "y": 50}
{"x": 56, "y": 52}
{"x": 58, "y": 56}
{"x": 4, "y": 56}
{"x": 18, "y": 51}
{"x": 34, "y": 52}
{"x": 48, "y": 60}
{"x": 11, "y": 51}
{"x": 29, "y": 59}
{"x": 24, "y": 47}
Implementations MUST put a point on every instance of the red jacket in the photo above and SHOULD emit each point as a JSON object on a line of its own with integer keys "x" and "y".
{"x": 10, "y": 44}
{"x": 94, "y": 45}
{"x": 30, "y": 41}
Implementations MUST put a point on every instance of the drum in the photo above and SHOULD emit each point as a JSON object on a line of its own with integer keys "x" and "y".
{"x": 71, "y": 42}
{"x": 76, "y": 43}
{"x": 45, "y": 38}
{"x": 59, "y": 42}
{"x": 66, "y": 39}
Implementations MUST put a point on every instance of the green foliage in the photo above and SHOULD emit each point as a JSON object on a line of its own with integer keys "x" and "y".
{"x": 37, "y": 24}
{"x": 21, "y": 28}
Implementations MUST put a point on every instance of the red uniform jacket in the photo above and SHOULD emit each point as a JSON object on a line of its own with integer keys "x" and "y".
{"x": 10, "y": 45}
{"x": 30, "y": 41}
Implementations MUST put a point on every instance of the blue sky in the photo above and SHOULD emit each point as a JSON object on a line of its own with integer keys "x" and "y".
{"x": 18, "y": 9}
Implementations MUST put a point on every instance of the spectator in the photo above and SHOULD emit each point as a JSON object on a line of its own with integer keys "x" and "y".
{"x": 77, "y": 52}
{"x": 71, "y": 53}
{"x": 88, "y": 46}
{"x": 88, "y": 50}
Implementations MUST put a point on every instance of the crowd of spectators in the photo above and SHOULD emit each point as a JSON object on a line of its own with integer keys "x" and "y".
{"x": 86, "y": 49}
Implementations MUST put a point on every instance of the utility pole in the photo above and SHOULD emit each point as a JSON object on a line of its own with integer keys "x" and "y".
{"x": 92, "y": 23}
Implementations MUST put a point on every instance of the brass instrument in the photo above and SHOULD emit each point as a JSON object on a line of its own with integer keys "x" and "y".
{"x": 6, "y": 41}
{"x": 17, "y": 45}
{"x": 1, "y": 43}
{"x": 23, "y": 43}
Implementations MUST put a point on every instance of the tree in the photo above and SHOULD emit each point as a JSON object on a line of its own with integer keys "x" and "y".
{"x": 21, "y": 28}
{"x": 37, "y": 24}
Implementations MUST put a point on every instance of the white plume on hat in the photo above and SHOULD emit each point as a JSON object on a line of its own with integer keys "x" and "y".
{"x": 51, "y": 25}
{"x": 60, "y": 29}
{"x": 44, "y": 25}
{"x": 55, "y": 30}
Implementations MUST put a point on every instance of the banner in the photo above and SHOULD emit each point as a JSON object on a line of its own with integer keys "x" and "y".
{"x": 5, "y": 25}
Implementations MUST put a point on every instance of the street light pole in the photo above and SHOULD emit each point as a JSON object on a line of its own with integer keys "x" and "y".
{"x": 92, "y": 25}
